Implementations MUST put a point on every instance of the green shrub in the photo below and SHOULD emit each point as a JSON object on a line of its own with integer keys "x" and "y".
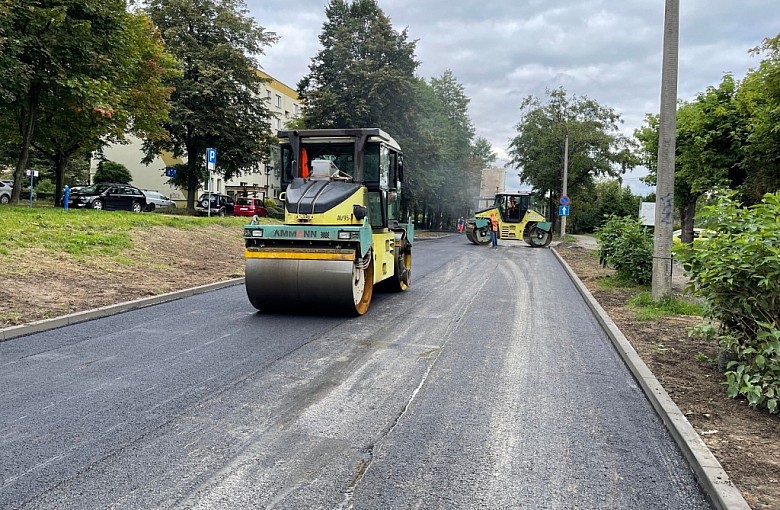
{"x": 275, "y": 211}
{"x": 627, "y": 246}
{"x": 737, "y": 273}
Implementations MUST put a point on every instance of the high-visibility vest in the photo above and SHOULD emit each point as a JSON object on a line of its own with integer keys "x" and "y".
{"x": 494, "y": 223}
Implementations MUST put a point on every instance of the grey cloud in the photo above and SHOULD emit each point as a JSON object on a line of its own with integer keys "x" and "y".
{"x": 502, "y": 51}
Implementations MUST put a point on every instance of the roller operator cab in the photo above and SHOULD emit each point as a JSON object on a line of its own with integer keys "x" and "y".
{"x": 342, "y": 231}
{"x": 517, "y": 219}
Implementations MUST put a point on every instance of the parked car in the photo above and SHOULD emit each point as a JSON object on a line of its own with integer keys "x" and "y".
{"x": 221, "y": 205}
{"x": 5, "y": 192}
{"x": 249, "y": 206}
{"x": 108, "y": 196}
{"x": 155, "y": 200}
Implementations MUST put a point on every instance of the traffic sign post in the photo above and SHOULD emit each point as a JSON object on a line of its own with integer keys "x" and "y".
{"x": 563, "y": 210}
{"x": 211, "y": 164}
{"x": 32, "y": 174}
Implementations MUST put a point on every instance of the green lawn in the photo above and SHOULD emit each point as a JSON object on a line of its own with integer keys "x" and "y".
{"x": 79, "y": 231}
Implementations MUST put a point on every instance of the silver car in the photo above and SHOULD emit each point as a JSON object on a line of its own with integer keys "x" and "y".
{"x": 5, "y": 191}
{"x": 155, "y": 200}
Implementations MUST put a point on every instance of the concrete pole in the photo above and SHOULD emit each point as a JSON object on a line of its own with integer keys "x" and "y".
{"x": 664, "y": 192}
{"x": 565, "y": 180}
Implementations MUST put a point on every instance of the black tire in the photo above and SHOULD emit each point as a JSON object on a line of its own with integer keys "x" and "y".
{"x": 403, "y": 267}
{"x": 222, "y": 211}
{"x": 538, "y": 238}
{"x": 4, "y": 199}
{"x": 150, "y": 207}
{"x": 137, "y": 207}
{"x": 481, "y": 235}
{"x": 97, "y": 204}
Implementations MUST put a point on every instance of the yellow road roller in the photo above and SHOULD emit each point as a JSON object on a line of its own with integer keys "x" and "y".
{"x": 517, "y": 219}
{"x": 342, "y": 232}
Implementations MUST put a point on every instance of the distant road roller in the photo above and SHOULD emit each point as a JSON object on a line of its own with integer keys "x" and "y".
{"x": 517, "y": 219}
{"x": 342, "y": 231}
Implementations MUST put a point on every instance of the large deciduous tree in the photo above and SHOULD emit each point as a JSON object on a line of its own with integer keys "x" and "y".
{"x": 758, "y": 100}
{"x": 68, "y": 62}
{"x": 710, "y": 138}
{"x": 218, "y": 101}
{"x": 134, "y": 100}
{"x": 596, "y": 144}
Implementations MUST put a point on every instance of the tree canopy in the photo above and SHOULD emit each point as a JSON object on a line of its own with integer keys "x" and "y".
{"x": 80, "y": 70}
{"x": 597, "y": 147}
{"x": 363, "y": 74}
{"x": 217, "y": 101}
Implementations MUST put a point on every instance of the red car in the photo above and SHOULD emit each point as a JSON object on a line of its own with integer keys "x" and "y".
{"x": 249, "y": 206}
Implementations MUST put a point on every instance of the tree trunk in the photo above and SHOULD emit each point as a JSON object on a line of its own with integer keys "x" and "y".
{"x": 192, "y": 176}
{"x": 60, "y": 162}
{"x": 687, "y": 213}
{"x": 27, "y": 124}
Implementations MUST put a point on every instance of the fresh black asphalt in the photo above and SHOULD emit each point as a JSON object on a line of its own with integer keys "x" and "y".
{"x": 489, "y": 384}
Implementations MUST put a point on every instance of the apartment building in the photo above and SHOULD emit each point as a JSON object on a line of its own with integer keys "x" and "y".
{"x": 263, "y": 182}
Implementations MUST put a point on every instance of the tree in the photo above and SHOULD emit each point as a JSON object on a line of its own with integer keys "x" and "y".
{"x": 111, "y": 171}
{"x": 709, "y": 141}
{"x": 596, "y": 144}
{"x": 758, "y": 101}
{"x": 133, "y": 100}
{"x": 66, "y": 56}
{"x": 363, "y": 76}
{"x": 484, "y": 153}
{"x": 218, "y": 101}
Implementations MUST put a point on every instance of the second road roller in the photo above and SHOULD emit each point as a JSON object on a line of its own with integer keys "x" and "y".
{"x": 517, "y": 219}
{"x": 342, "y": 233}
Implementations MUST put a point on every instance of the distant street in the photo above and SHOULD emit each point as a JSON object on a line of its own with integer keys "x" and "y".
{"x": 487, "y": 385}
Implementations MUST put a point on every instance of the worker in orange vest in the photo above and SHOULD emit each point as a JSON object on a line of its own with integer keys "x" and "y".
{"x": 493, "y": 230}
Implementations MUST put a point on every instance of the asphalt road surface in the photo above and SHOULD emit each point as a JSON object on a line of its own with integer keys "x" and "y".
{"x": 488, "y": 384}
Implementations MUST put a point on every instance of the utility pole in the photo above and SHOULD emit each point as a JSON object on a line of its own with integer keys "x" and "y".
{"x": 664, "y": 191}
{"x": 564, "y": 189}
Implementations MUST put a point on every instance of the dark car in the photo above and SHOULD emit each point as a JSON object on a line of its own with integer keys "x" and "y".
{"x": 220, "y": 204}
{"x": 108, "y": 196}
{"x": 249, "y": 206}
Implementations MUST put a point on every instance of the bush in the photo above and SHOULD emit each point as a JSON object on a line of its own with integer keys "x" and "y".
{"x": 275, "y": 211}
{"x": 628, "y": 247}
{"x": 737, "y": 273}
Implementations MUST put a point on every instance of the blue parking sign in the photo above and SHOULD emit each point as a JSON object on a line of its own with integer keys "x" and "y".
{"x": 211, "y": 155}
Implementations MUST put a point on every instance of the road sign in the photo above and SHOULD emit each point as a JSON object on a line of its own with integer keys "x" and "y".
{"x": 564, "y": 200}
{"x": 170, "y": 171}
{"x": 211, "y": 158}
{"x": 563, "y": 210}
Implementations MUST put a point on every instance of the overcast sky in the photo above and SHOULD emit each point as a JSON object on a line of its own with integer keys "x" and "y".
{"x": 504, "y": 50}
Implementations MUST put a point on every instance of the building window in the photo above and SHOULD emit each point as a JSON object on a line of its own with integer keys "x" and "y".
{"x": 295, "y": 109}
{"x": 268, "y": 93}
{"x": 278, "y": 123}
{"x": 286, "y": 114}
{"x": 278, "y": 101}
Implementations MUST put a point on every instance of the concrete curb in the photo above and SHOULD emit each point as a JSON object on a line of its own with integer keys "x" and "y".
{"x": 104, "y": 311}
{"x": 709, "y": 473}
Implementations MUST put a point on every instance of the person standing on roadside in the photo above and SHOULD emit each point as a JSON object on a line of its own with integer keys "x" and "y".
{"x": 493, "y": 230}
